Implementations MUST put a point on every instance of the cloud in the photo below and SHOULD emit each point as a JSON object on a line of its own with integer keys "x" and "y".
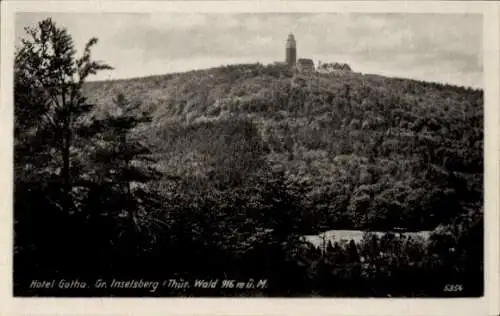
{"x": 424, "y": 46}
{"x": 184, "y": 21}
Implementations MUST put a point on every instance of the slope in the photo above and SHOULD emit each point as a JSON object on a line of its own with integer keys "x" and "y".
{"x": 358, "y": 151}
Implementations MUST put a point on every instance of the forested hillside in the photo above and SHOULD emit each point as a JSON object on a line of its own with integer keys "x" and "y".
{"x": 366, "y": 152}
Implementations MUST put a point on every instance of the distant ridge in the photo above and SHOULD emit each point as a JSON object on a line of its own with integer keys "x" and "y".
{"x": 397, "y": 77}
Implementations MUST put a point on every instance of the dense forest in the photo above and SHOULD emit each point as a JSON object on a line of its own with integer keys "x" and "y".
{"x": 218, "y": 173}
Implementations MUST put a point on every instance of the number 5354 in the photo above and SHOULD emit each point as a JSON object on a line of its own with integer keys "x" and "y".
{"x": 453, "y": 288}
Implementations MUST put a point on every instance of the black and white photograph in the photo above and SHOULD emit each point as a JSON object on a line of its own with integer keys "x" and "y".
{"x": 248, "y": 154}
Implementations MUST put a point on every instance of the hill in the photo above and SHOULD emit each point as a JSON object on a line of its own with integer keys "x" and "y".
{"x": 227, "y": 173}
{"x": 358, "y": 151}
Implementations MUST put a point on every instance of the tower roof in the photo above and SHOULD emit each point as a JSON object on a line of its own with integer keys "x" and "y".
{"x": 290, "y": 42}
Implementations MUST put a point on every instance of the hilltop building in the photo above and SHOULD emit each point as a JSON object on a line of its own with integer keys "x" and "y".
{"x": 303, "y": 65}
{"x": 306, "y": 65}
{"x": 291, "y": 51}
{"x": 333, "y": 67}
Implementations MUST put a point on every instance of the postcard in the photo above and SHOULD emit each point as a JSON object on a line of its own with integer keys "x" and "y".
{"x": 270, "y": 158}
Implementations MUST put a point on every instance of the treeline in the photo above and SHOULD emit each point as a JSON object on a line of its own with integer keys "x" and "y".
{"x": 80, "y": 182}
{"x": 222, "y": 177}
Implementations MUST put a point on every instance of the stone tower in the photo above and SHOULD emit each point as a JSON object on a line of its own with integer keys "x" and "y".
{"x": 291, "y": 51}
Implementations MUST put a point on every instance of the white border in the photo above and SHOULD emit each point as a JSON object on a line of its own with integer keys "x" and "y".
{"x": 487, "y": 305}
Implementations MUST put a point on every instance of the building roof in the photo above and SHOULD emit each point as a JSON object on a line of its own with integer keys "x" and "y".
{"x": 290, "y": 42}
{"x": 336, "y": 66}
{"x": 305, "y": 61}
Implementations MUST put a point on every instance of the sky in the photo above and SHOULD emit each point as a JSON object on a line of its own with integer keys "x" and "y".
{"x": 432, "y": 47}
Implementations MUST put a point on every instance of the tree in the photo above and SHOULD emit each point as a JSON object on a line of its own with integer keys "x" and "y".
{"x": 49, "y": 112}
{"x": 49, "y": 103}
{"x": 121, "y": 168}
